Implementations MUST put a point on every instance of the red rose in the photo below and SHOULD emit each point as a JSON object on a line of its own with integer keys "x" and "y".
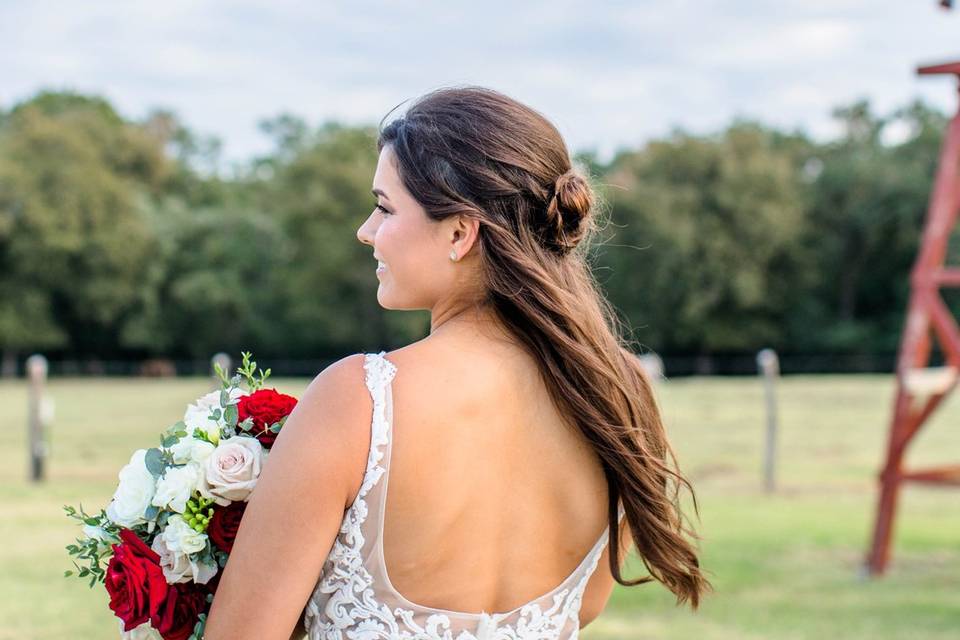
{"x": 134, "y": 581}
{"x": 266, "y": 407}
{"x": 178, "y": 614}
{"x": 223, "y": 526}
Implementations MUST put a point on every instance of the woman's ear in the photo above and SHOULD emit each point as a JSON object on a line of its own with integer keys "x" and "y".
{"x": 464, "y": 233}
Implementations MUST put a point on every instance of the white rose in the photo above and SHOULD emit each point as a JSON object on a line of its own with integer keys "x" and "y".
{"x": 143, "y": 632}
{"x": 181, "y": 567}
{"x": 190, "y": 449}
{"x": 180, "y": 537}
{"x": 176, "y": 486}
{"x": 232, "y": 470}
{"x": 197, "y": 415}
{"x": 134, "y": 492}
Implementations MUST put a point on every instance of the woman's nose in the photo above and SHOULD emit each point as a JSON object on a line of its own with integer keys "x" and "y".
{"x": 362, "y": 234}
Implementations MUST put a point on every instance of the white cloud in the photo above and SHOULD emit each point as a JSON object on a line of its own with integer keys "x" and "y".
{"x": 790, "y": 45}
{"x": 609, "y": 74}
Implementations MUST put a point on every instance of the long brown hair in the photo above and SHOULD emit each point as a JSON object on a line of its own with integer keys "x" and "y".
{"x": 476, "y": 152}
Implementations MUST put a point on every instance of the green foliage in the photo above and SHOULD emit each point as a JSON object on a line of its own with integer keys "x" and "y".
{"x": 93, "y": 553}
{"x": 156, "y": 462}
{"x": 121, "y": 238}
{"x": 708, "y": 247}
{"x": 201, "y": 624}
{"x": 73, "y": 236}
{"x": 173, "y": 434}
{"x": 248, "y": 370}
{"x": 864, "y": 220}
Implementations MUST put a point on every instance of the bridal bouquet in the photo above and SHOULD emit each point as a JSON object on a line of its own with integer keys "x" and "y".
{"x": 160, "y": 545}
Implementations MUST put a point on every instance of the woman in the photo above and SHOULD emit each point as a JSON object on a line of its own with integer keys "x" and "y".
{"x": 513, "y": 438}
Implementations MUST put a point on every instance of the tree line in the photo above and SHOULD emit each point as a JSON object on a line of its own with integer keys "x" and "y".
{"x": 124, "y": 239}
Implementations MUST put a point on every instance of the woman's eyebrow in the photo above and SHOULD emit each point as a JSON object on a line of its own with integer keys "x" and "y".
{"x": 380, "y": 192}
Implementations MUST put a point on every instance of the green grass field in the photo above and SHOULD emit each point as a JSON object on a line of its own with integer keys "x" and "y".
{"x": 784, "y": 566}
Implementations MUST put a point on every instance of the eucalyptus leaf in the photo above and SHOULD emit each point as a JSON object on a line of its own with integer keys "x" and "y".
{"x": 230, "y": 415}
{"x": 154, "y": 462}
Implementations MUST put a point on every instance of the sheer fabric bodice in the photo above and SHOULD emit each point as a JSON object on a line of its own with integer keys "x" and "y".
{"x": 354, "y": 599}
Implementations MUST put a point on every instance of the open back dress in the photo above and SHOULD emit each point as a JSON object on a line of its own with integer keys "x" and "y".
{"x": 354, "y": 599}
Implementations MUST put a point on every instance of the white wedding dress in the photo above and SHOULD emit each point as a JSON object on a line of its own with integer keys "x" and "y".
{"x": 354, "y": 599}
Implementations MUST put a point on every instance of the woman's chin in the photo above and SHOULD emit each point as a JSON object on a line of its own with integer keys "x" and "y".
{"x": 383, "y": 298}
{"x": 387, "y": 298}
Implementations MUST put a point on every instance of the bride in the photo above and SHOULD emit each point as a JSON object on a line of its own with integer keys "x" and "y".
{"x": 515, "y": 439}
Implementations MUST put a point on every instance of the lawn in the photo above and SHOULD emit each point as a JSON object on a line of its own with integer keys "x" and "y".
{"x": 784, "y": 566}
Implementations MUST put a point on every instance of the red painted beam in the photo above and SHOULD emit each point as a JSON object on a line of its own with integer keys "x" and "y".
{"x": 927, "y": 317}
{"x": 949, "y": 475}
{"x": 948, "y": 67}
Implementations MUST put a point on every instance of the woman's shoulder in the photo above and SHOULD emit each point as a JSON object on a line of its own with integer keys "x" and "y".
{"x": 346, "y": 378}
{"x": 342, "y": 383}
{"x": 338, "y": 396}
{"x": 341, "y": 388}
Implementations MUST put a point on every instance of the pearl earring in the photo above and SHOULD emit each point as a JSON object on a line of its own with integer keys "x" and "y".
{"x": 453, "y": 255}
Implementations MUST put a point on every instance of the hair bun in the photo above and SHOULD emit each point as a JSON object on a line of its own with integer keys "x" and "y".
{"x": 570, "y": 204}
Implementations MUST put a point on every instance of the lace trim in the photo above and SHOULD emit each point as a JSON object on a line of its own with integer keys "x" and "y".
{"x": 343, "y": 573}
{"x": 380, "y": 372}
{"x": 352, "y": 610}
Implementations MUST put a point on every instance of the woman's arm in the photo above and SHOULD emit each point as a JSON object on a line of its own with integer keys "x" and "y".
{"x": 295, "y": 511}
{"x": 299, "y": 631}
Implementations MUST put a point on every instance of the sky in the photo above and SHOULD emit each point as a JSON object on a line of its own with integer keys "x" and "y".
{"x": 608, "y": 74}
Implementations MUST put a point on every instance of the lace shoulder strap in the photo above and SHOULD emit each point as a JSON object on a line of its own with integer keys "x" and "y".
{"x": 379, "y": 372}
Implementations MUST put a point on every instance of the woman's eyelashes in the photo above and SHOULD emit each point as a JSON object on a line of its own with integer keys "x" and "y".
{"x": 382, "y": 210}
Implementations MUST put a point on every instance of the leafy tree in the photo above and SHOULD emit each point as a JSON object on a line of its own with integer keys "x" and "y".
{"x": 869, "y": 203}
{"x": 704, "y": 257}
{"x": 74, "y": 180}
{"x": 215, "y": 284}
{"x": 122, "y": 238}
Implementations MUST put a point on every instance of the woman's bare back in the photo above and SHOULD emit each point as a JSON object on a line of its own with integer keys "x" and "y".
{"x": 486, "y": 476}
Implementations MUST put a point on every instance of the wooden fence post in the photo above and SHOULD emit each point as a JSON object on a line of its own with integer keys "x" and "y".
{"x": 37, "y": 414}
{"x": 653, "y": 366}
{"x": 769, "y": 365}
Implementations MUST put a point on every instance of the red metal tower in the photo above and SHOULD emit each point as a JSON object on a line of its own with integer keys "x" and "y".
{"x": 921, "y": 388}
